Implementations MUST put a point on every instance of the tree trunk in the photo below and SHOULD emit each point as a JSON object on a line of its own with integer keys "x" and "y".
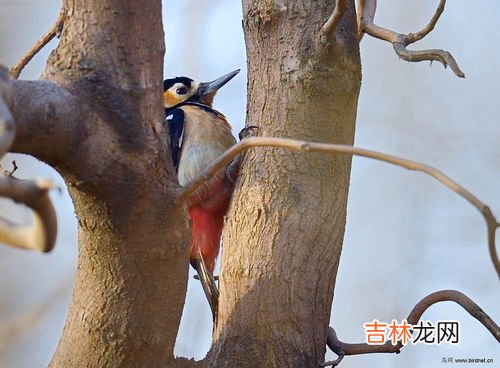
{"x": 101, "y": 125}
{"x": 283, "y": 237}
{"x": 98, "y": 119}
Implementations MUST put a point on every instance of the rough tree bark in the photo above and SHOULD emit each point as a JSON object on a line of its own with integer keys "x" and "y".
{"x": 98, "y": 119}
{"x": 283, "y": 237}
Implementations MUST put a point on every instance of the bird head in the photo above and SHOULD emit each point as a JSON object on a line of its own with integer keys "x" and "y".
{"x": 180, "y": 89}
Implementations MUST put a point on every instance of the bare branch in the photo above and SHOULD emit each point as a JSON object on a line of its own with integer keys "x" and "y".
{"x": 461, "y": 299}
{"x": 444, "y": 57}
{"x": 366, "y": 10}
{"x": 341, "y": 348}
{"x": 303, "y": 146}
{"x": 41, "y": 235}
{"x": 417, "y": 36}
{"x": 330, "y": 25}
{"x": 40, "y": 44}
{"x": 49, "y": 120}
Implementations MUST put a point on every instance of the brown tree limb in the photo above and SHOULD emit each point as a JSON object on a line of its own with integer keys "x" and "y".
{"x": 341, "y": 348}
{"x": 330, "y": 25}
{"x": 366, "y": 11}
{"x": 303, "y": 146}
{"x": 41, "y": 234}
{"x": 417, "y": 36}
{"x": 49, "y": 120}
{"x": 40, "y": 44}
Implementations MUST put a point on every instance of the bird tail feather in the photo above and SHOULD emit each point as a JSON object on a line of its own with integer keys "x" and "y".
{"x": 209, "y": 286}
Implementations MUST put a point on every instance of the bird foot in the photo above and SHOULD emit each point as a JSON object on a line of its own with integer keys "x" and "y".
{"x": 250, "y": 131}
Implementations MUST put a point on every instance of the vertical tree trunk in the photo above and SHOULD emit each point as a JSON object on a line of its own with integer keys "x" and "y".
{"x": 283, "y": 239}
{"x": 132, "y": 266}
{"x": 101, "y": 125}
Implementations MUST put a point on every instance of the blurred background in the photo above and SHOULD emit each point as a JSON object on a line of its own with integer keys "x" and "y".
{"x": 406, "y": 236}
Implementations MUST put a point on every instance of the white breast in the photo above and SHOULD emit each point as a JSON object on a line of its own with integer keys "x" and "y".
{"x": 205, "y": 138}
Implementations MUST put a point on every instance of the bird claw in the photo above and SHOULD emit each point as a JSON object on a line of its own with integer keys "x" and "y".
{"x": 233, "y": 169}
{"x": 248, "y": 132}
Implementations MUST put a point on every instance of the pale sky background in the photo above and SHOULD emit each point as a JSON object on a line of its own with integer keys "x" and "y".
{"x": 406, "y": 236}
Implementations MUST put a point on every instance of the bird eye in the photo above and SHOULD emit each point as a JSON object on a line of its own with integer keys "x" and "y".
{"x": 182, "y": 90}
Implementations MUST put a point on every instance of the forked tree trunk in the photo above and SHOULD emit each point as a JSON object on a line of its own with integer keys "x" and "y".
{"x": 101, "y": 126}
{"x": 283, "y": 237}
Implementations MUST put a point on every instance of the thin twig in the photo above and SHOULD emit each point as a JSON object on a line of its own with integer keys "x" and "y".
{"x": 330, "y": 25}
{"x": 417, "y": 36}
{"x": 41, "y": 234}
{"x": 13, "y": 170}
{"x": 341, "y": 348}
{"x": 296, "y": 145}
{"x": 40, "y": 44}
{"x": 366, "y": 10}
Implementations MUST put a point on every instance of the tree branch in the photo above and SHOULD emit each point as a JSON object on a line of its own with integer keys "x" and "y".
{"x": 41, "y": 235}
{"x": 341, "y": 348}
{"x": 303, "y": 146}
{"x": 417, "y": 36}
{"x": 366, "y": 12}
{"x": 50, "y": 121}
{"x": 330, "y": 25}
{"x": 40, "y": 44}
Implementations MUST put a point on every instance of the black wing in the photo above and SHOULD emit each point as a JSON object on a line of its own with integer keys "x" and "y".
{"x": 175, "y": 120}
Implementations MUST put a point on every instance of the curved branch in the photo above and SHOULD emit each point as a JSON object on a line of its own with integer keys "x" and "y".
{"x": 417, "y": 36}
{"x": 444, "y": 57}
{"x": 330, "y": 25}
{"x": 366, "y": 12}
{"x": 40, "y": 44}
{"x": 341, "y": 348}
{"x": 303, "y": 146}
{"x": 41, "y": 235}
{"x": 401, "y": 41}
{"x": 461, "y": 299}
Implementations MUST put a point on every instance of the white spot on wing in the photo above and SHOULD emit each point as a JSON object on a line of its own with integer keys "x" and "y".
{"x": 181, "y": 138}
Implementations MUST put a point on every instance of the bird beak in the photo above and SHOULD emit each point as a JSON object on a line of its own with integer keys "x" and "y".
{"x": 207, "y": 90}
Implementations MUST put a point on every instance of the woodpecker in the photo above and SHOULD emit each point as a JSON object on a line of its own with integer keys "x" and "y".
{"x": 198, "y": 135}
